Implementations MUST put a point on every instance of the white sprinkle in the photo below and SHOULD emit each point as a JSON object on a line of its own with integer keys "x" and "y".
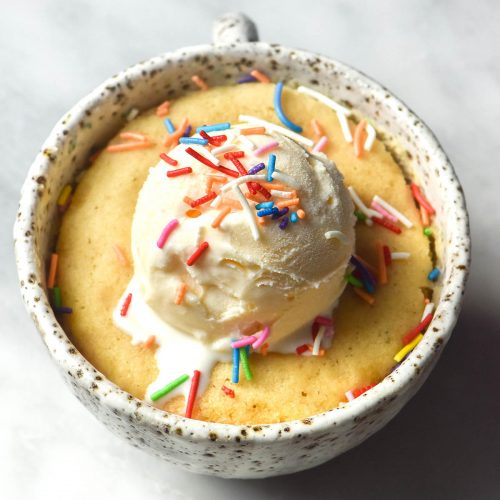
{"x": 132, "y": 114}
{"x": 404, "y": 220}
{"x": 281, "y": 194}
{"x": 248, "y": 212}
{"x": 246, "y": 142}
{"x": 400, "y": 255}
{"x": 357, "y": 200}
{"x": 325, "y": 100}
{"x": 285, "y": 178}
{"x": 339, "y": 235}
{"x": 317, "y": 341}
{"x": 427, "y": 310}
{"x": 216, "y": 202}
{"x": 320, "y": 145}
{"x": 350, "y": 396}
{"x": 370, "y": 138}
{"x": 222, "y": 149}
{"x": 276, "y": 128}
{"x": 344, "y": 125}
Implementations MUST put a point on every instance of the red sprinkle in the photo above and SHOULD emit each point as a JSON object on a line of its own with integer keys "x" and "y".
{"x": 195, "y": 381}
{"x": 170, "y": 161}
{"x": 234, "y": 154}
{"x": 204, "y": 199}
{"x": 314, "y": 330}
{"x": 227, "y": 391}
{"x": 179, "y": 171}
{"x": 126, "y": 305}
{"x": 387, "y": 255}
{"x": 216, "y": 140}
{"x": 301, "y": 349}
{"x": 208, "y": 163}
{"x": 388, "y": 225}
{"x": 419, "y": 328}
{"x": 417, "y": 194}
{"x": 252, "y": 187}
{"x": 357, "y": 392}
{"x": 197, "y": 253}
{"x": 264, "y": 191}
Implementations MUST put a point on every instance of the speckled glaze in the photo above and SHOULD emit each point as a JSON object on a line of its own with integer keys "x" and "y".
{"x": 220, "y": 449}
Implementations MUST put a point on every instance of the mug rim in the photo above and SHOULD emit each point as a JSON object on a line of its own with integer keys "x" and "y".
{"x": 30, "y": 264}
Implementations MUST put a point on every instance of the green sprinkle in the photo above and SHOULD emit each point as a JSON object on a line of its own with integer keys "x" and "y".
{"x": 427, "y": 231}
{"x": 56, "y": 296}
{"x": 244, "y": 363}
{"x": 360, "y": 215}
{"x": 169, "y": 387}
{"x": 353, "y": 281}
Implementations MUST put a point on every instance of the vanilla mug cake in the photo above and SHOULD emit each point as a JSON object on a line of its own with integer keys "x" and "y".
{"x": 250, "y": 259}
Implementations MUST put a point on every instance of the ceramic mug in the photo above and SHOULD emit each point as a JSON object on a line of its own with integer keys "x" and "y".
{"x": 238, "y": 451}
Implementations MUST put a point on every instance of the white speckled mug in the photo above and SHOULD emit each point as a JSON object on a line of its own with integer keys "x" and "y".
{"x": 239, "y": 451}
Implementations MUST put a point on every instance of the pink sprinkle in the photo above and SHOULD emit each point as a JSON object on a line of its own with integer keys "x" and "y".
{"x": 320, "y": 145}
{"x": 243, "y": 342}
{"x": 262, "y": 336}
{"x": 350, "y": 396}
{"x": 266, "y": 147}
{"x": 166, "y": 232}
{"x": 383, "y": 211}
{"x": 323, "y": 320}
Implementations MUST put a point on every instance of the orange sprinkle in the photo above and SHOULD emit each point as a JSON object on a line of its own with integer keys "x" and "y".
{"x": 264, "y": 348}
{"x": 181, "y": 292}
{"x": 120, "y": 256}
{"x": 424, "y": 215}
{"x": 359, "y": 136}
{"x": 287, "y": 203}
{"x": 173, "y": 139}
{"x": 51, "y": 281}
{"x": 275, "y": 185}
{"x": 232, "y": 203}
{"x": 193, "y": 213}
{"x": 136, "y": 136}
{"x": 163, "y": 109}
{"x": 187, "y": 200}
{"x": 261, "y": 77}
{"x": 301, "y": 214}
{"x": 200, "y": 83}
{"x": 365, "y": 296}
{"x": 370, "y": 268}
{"x": 317, "y": 128}
{"x": 150, "y": 342}
{"x": 218, "y": 178}
{"x": 252, "y": 131}
{"x": 221, "y": 216}
{"x": 310, "y": 349}
{"x": 382, "y": 268}
{"x": 129, "y": 146}
{"x": 257, "y": 197}
{"x": 261, "y": 221}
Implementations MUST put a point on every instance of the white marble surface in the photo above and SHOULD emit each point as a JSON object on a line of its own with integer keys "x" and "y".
{"x": 439, "y": 57}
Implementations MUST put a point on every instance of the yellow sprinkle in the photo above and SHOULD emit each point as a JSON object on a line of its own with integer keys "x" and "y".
{"x": 407, "y": 348}
{"x": 63, "y": 197}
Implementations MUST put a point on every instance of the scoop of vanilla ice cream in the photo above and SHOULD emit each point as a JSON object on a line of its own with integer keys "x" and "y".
{"x": 282, "y": 279}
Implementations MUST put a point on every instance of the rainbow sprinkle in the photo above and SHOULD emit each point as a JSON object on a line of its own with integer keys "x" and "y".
{"x": 236, "y": 366}
{"x": 195, "y": 381}
{"x": 169, "y": 387}
{"x": 244, "y": 363}
{"x": 167, "y": 230}
{"x": 434, "y": 274}
{"x": 279, "y": 110}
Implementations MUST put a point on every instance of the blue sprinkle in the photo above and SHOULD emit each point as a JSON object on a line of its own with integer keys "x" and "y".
{"x": 247, "y": 349}
{"x": 284, "y": 222}
{"x": 247, "y": 79}
{"x": 280, "y": 213}
{"x": 187, "y": 133}
{"x": 270, "y": 167}
{"x": 236, "y": 366}
{"x": 434, "y": 274}
{"x": 264, "y": 204}
{"x": 193, "y": 140}
{"x": 267, "y": 211}
{"x": 214, "y": 127}
{"x": 367, "y": 278}
{"x": 63, "y": 310}
{"x": 279, "y": 110}
{"x": 294, "y": 217}
{"x": 257, "y": 168}
{"x": 169, "y": 125}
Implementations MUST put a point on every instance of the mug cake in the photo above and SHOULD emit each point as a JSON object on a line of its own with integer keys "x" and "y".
{"x": 246, "y": 254}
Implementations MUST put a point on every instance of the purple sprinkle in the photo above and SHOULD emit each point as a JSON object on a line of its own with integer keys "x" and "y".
{"x": 247, "y": 79}
{"x": 63, "y": 310}
{"x": 188, "y": 131}
{"x": 257, "y": 168}
{"x": 281, "y": 213}
{"x": 284, "y": 222}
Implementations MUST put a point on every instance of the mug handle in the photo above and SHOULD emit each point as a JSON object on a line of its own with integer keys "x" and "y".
{"x": 234, "y": 27}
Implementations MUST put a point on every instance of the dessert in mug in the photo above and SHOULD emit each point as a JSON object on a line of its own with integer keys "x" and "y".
{"x": 245, "y": 254}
